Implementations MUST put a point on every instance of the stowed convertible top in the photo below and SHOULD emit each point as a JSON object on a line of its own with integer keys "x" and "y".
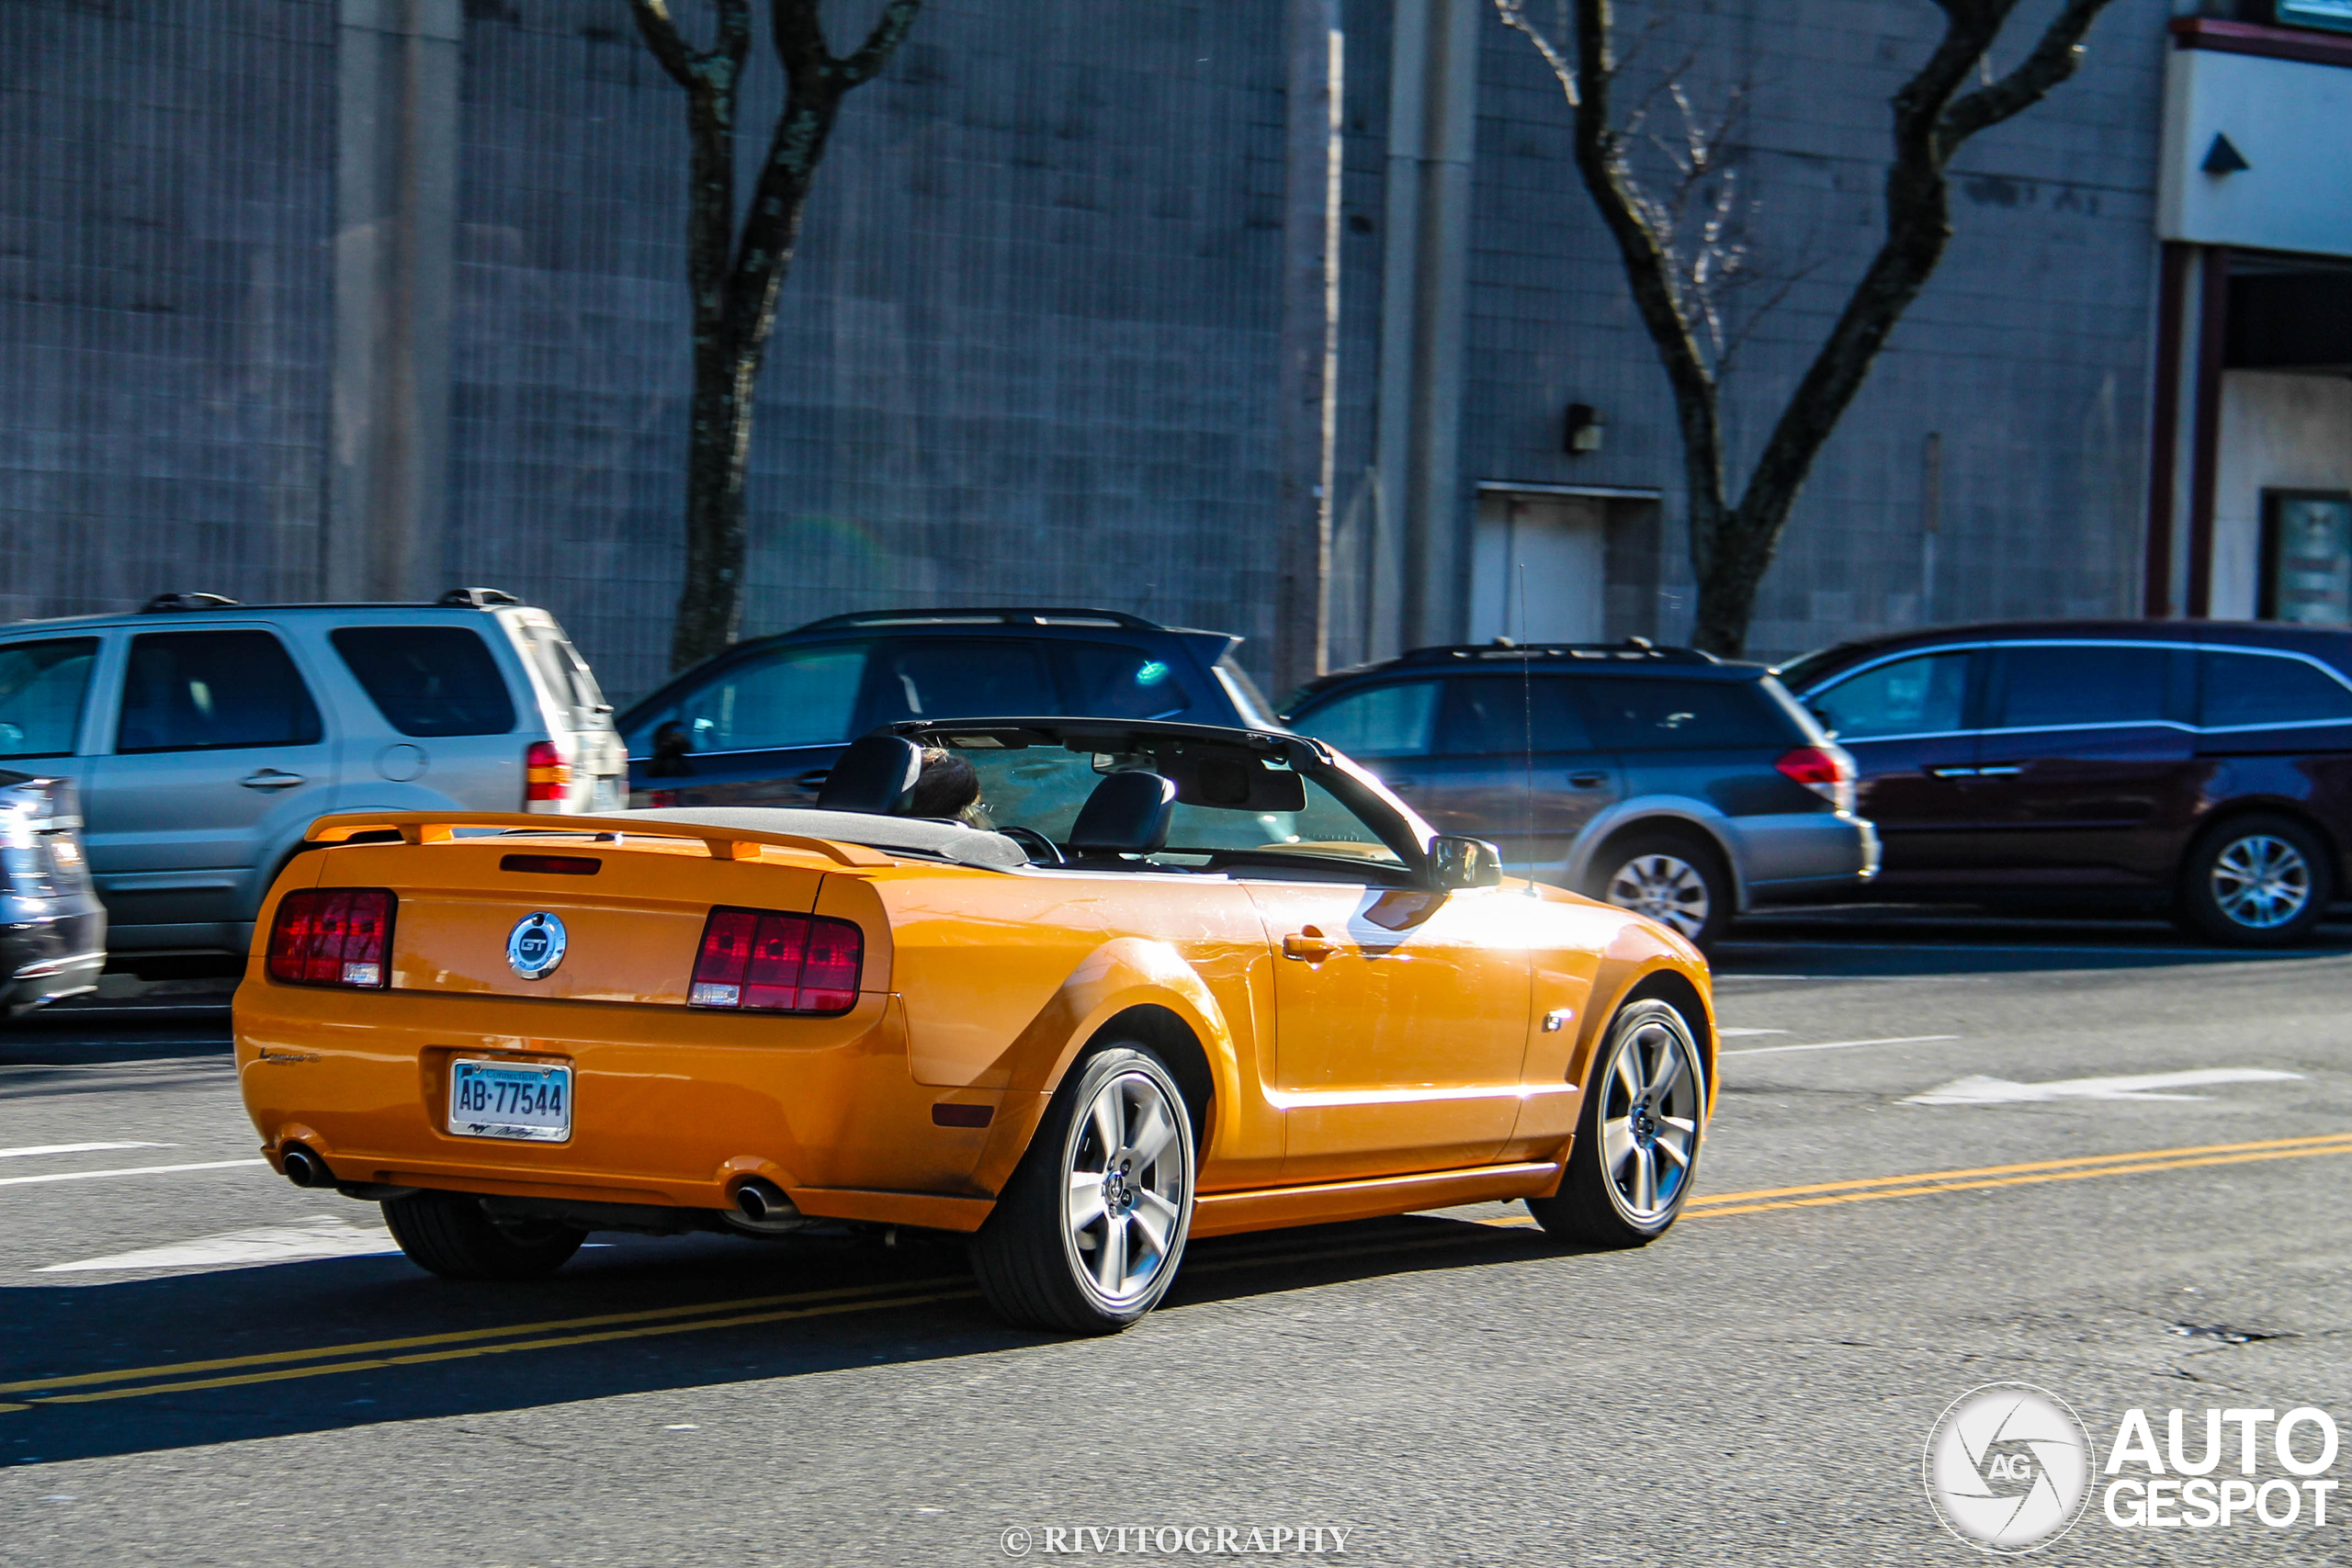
{"x": 917, "y": 835}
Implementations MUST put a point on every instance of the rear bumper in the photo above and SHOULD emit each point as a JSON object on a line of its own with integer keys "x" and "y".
{"x": 51, "y": 957}
{"x": 671, "y": 1106}
{"x": 1801, "y": 854}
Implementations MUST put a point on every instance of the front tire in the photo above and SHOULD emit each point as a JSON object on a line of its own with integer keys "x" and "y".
{"x": 450, "y": 1234}
{"x": 1087, "y": 1235}
{"x": 2256, "y": 881}
{"x": 1636, "y": 1149}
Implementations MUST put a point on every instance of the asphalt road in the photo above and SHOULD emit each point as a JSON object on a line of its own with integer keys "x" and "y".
{"x": 1444, "y": 1389}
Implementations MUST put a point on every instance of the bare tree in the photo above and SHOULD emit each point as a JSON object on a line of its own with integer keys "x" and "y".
{"x": 735, "y": 278}
{"x": 1732, "y": 545}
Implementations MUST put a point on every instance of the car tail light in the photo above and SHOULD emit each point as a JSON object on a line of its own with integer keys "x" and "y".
{"x": 761, "y": 962}
{"x": 1825, "y": 771}
{"x": 333, "y": 936}
{"x": 545, "y": 776}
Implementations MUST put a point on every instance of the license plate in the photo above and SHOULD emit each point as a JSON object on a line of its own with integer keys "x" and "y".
{"x": 509, "y": 1100}
{"x": 606, "y": 796}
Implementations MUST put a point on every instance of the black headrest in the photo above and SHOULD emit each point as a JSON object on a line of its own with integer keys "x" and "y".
{"x": 1126, "y": 815}
{"x": 877, "y": 774}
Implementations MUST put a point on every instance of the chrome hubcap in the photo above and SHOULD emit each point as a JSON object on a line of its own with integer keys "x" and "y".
{"x": 2261, "y": 881}
{"x": 1667, "y": 888}
{"x": 1127, "y": 1185}
{"x": 1649, "y": 1118}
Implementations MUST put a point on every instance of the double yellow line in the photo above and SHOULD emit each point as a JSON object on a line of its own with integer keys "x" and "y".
{"x": 189, "y": 1377}
{"x": 1986, "y": 1177}
{"x": 422, "y": 1350}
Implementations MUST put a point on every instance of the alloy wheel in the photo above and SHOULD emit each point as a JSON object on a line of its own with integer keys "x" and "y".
{"x": 1126, "y": 1182}
{"x": 1649, "y": 1118}
{"x": 2261, "y": 881}
{"x": 1667, "y": 888}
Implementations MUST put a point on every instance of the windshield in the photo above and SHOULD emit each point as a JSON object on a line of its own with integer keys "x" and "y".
{"x": 1232, "y": 804}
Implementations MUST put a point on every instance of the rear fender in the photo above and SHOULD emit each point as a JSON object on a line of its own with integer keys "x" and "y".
{"x": 1127, "y": 972}
{"x": 1637, "y": 961}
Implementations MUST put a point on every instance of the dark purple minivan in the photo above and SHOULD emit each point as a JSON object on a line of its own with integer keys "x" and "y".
{"x": 2204, "y": 768}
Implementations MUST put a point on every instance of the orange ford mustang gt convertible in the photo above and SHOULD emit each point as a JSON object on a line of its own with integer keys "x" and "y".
{"x": 1157, "y": 980}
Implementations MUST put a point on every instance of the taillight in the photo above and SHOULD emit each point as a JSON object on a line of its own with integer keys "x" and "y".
{"x": 758, "y": 961}
{"x": 333, "y": 936}
{"x": 1827, "y": 772}
{"x": 545, "y": 776}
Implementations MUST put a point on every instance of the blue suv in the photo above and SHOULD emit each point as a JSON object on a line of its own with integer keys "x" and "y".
{"x": 762, "y": 722}
{"x": 1658, "y": 779}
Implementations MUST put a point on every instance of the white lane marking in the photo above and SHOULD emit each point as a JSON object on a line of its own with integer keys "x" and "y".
{"x": 130, "y": 1170}
{"x": 1837, "y": 1044}
{"x": 76, "y": 1149}
{"x": 2138, "y": 1085}
{"x": 1729, "y": 1034}
{"x": 2151, "y": 950}
{"x": 323, "y": 1235}
{"x": 1873, "y": 979}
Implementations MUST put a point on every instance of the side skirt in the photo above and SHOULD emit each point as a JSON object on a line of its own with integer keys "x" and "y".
{"x": 1226, "y": 1213}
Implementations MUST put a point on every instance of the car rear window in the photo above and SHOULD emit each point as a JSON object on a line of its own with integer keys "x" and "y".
{"x": 960, "y": 678}
{"x": 1106, "y": 681}
{"x": 2244, "y": 689}
{"x": 41, "y": 685}
{"x": 1503, "y": 715}
{"x": 428, "y": 680}
{"x": 1394, "y": 720}
{"x": 207, "y": 691}
{"x": 1682, "y": 716}
{"x": 2047, "y": 687}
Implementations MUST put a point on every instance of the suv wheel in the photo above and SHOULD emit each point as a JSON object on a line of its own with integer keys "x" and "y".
{"x": 1669, "y": 876}
{"x": 2258, "y": 881}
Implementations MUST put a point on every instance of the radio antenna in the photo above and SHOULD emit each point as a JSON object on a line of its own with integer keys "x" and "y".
{"x": 1527, "y": 720}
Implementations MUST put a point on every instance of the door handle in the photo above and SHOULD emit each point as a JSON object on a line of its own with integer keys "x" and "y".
{"x": 814, "y": 778}
{"x": 1951, "y": 772}
{"x": 270, "y": 778}
{"x": 2003, "y": 770}
{"x": 1310, "y": 946}
{"x": 1588, "y": 781}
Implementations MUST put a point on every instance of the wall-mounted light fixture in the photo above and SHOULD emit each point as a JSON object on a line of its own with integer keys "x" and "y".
{"x": 1584, "y": 430}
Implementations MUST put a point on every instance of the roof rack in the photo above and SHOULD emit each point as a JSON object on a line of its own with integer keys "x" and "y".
{"x": 990, "y": 614}
{"x": 173, "y": 603}
{"x": 475, "y": 599}
{"x": 1634, "y": 649}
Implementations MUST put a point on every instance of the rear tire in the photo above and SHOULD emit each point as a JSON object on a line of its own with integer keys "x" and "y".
{"x": 2256, "y": 881}
{"x": 1670, "y": 877}
{"x": 1636, "y": 1149}
{"x": 449, "y": 1234}
{"x": 1088, "y": 1235}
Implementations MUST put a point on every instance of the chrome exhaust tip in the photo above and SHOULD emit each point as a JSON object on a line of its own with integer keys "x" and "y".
{"x": 760, "y": 1206}
{"x": 304, "y": 1169}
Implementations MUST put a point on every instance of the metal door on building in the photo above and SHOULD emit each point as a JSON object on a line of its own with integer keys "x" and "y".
{"x": 1539, "y": 569}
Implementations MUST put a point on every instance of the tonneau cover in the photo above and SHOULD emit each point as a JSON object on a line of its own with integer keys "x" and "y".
{"x": 916, "y": 835}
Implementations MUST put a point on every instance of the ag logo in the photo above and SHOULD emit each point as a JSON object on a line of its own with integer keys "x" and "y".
{"x": 2009, "y": 1467}
{"x": 535, "y": 946}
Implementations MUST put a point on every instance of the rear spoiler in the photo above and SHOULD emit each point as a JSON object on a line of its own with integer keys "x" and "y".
{"x": 441, "y": 827}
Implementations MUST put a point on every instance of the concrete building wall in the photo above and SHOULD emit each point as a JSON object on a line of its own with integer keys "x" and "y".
{"x": 1028, "y": 351}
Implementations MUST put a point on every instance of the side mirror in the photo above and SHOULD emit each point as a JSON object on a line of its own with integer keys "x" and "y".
{"x": 1456, "y": 861}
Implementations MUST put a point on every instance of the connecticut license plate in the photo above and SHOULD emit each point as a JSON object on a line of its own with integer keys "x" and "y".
{"x": 606, "y": 796}
{"x": 510, "y": 1099}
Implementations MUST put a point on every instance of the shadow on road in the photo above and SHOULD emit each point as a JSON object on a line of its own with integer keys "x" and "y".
{"x": 1891, "y": 941}
{"x": 319, "y": 1345}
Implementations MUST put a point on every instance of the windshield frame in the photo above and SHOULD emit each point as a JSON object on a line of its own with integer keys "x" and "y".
{"x": 1392, "y": 822}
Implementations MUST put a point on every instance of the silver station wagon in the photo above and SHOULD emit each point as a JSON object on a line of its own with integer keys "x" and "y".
{"x": 204, "y": 735}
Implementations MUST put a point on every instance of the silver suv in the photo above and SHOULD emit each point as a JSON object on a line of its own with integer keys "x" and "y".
{"x": 206, "y": 734}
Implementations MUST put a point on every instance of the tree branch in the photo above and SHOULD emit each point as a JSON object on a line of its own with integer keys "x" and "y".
{"x": 2053, "y": 60}
{"x": 890, "y": 29}
{"x": 690, "y": 67}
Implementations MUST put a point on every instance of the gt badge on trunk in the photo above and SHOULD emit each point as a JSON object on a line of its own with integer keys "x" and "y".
{"x": 535, "y": 946}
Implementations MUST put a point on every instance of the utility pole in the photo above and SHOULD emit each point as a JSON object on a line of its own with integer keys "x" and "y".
{"x": 1307, "y": 385}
